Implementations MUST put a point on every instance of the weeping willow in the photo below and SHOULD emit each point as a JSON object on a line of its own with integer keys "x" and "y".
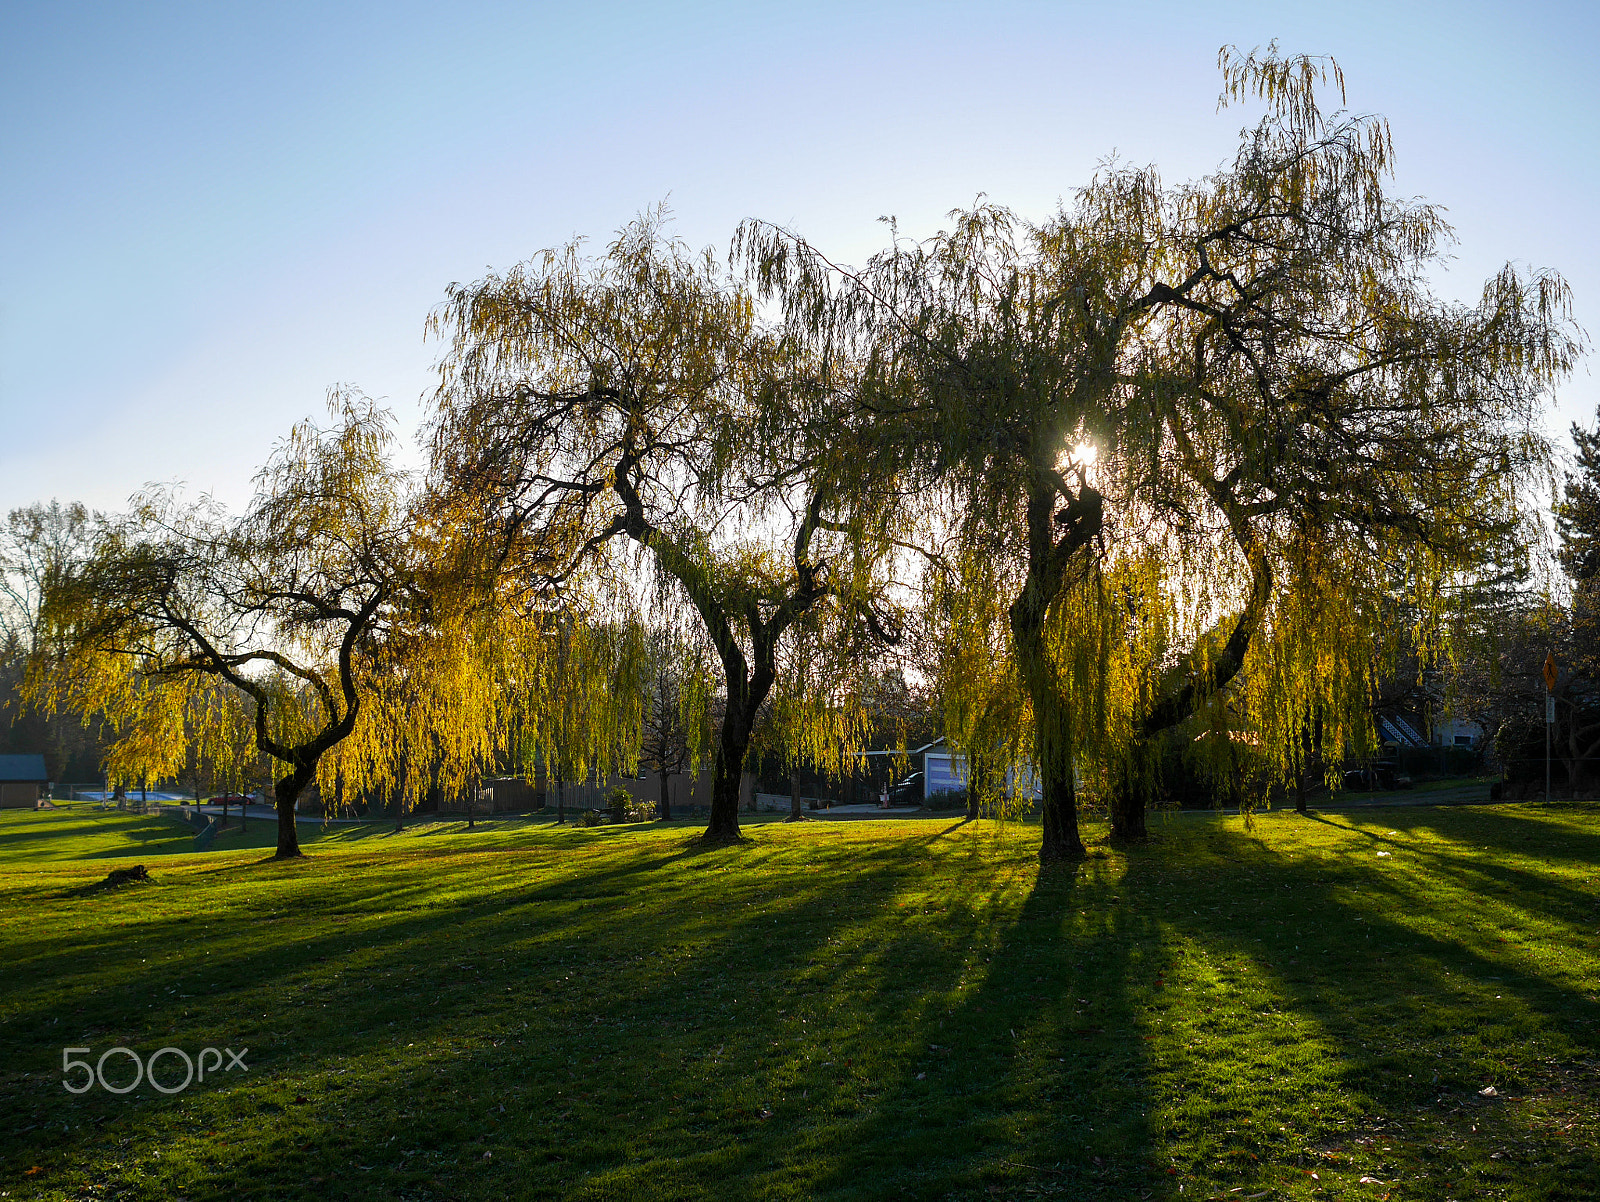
{"x": 983, "y": 708}
{"x": 624, "y": 430}
{"x": 326, "y": 628}
{"x": 1216, "y": 446}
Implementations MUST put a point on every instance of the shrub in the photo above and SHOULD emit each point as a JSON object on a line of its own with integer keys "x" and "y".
{"x": 618, "y": 801}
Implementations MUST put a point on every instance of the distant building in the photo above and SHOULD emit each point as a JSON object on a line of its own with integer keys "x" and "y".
{"x": 22, "y": 781}
{"x": 1457, "y": 732}
{"x": 944, "y": 772}
{"x": 1401, "y": 730}
{"x": 1407, "y": 730}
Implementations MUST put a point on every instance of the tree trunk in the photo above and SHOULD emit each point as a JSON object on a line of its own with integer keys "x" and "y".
{"x": 1300, "y": 756}
{"x": 726, "y": 777}
{"x": 1128, "y": 811}
{"x": 975, "y": 777}
{"x": 1052, "y": 727}
{"x": 287, "y": 793}
{"x": 1052, "y": 754}
{"x": 664, "y": 806}
{"x": 795, "y": 811}
{"x": 1053, "y": 750}
{"x": 561, "y": 801}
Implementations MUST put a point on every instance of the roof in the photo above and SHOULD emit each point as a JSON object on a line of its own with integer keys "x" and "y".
{"x": 23, "y": 768}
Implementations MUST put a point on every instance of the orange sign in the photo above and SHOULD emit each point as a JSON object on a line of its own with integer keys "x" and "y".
{"x": 1550, "y": 672}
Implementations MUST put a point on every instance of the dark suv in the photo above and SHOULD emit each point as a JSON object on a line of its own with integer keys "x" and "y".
{"x": 1376, "y": 776}
{"x": 908, "y": 791}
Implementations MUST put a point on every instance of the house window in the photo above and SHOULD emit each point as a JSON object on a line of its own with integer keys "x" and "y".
{"x": 1463, "y": 740}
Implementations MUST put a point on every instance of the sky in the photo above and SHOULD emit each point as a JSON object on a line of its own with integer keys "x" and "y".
{"x": 212, "y": 213}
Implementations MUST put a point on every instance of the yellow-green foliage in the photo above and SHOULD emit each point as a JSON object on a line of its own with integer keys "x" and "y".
{"x": 649, "y": 454}
{"x": 1216, "y": 448}
{"x": 326, "y": 627}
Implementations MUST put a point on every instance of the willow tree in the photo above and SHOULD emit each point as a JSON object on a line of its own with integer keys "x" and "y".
{"x": 587, "y": 720}
{"x": 287, "y": 606}
{"x": 1216, "y": 428}
{"x": 628, "y": 419}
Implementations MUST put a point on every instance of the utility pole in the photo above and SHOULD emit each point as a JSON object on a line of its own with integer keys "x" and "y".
{"x": 1549, "y": 715}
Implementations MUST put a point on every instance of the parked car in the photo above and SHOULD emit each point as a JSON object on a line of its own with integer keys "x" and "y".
{"x": 908, "y": 791}
{"x": 1376, "y": 776}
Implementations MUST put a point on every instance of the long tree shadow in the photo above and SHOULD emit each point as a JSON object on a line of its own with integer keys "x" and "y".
{"x": 1511, "y": 830}
{"x": 1513, "y": 876}
{"x": 837, "y": 1016}
{"x": 1019, "y": 1067}
{"x": 486, "y": 964}
{"x": 1406, "y": 1019}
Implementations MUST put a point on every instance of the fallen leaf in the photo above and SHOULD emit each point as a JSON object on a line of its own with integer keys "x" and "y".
{"x": 1489, "y": 1091}
{"x": 1372, "y": 1181}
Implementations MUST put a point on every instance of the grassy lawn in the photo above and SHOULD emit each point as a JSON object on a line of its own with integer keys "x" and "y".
{"x": 845, "y": 1010}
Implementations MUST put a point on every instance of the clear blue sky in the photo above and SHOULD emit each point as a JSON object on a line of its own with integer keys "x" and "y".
{"x": 211, "y": 212}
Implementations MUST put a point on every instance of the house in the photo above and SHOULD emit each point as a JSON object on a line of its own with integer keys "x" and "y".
{"x": 22, "y": 781}
{"x": 1457, "y": 732}
{"x": 1401, "y": 730}
{"x": 944, "y": 772}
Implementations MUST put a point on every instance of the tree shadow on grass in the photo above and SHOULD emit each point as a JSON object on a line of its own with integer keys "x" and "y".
{"x": 1391, "y": 1024}
{"x": 842, "y": 1016}
{"x": 154, "y": 836}
{"x": 458, "y": 978}
{"x": 1454, "y": 849}
{"x": 1508, "y": 829}
{"x": 1023, "y": 1069}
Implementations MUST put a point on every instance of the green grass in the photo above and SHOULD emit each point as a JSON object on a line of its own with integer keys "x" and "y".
{"x": 844, "y": 1010}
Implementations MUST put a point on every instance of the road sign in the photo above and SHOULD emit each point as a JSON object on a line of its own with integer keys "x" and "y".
{"x": 1550, "y": 672}
{"x": 1549, "y": 711}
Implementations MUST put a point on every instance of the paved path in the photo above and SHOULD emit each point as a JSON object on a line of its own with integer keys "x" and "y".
{"x": 1465, "y": 795}
{"x": 265, "y": 813}
{"x": 850, "y": 813}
